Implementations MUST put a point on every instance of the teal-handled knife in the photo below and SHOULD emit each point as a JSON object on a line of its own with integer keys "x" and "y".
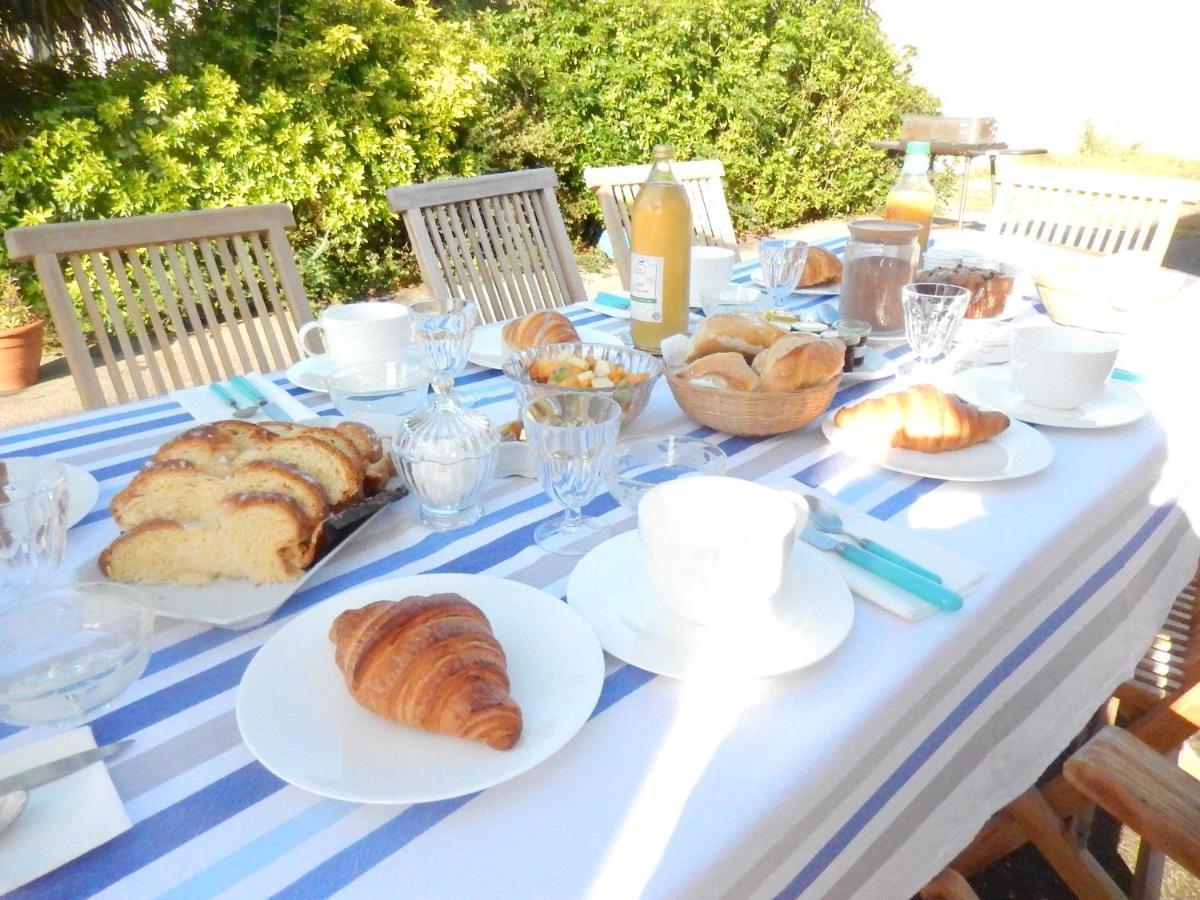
{"x": 939, "y": 595}
{"x": 274, "y": 410}
{"x": 616, "y": 301}
{"x": 903, "y": 561}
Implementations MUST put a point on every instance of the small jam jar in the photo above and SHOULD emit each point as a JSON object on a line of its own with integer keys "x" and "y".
{"x": 853, "y": 333}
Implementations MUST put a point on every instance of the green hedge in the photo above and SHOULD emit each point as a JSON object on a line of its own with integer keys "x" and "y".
{"x": 325, "y": 103}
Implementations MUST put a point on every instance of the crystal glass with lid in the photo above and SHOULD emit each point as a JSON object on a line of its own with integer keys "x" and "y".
{"x": 446, "y": 453}
{"x": 879, "y": 260}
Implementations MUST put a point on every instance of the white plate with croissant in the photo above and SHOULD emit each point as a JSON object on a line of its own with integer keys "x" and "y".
{"x": 926, "y": 432}
{"x": 525, "y": 678}
{"x": 492, "y": 344}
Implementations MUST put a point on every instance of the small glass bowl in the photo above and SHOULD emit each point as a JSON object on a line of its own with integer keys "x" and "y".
{"x": 632, "y": 399}
{"x": 736, "y": 298}
{"x": 643, "y": 462}
{"x": 392, "y": 388}
{"x": 66, "y": 652}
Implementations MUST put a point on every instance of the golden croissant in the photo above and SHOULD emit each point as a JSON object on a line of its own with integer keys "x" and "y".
{"x": 922, "y": 418}
{"x": 431, "y": 662}
{"x": 537, "y": 328}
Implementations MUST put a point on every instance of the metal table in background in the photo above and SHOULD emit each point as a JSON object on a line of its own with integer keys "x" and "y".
{"x": 969, "y": 152}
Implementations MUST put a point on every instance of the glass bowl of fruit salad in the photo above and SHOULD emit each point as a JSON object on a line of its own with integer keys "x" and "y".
{"x": 625, "y": 374}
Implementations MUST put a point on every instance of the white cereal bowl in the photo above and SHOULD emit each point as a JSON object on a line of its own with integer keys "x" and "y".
{"x": 1062, "y": 368}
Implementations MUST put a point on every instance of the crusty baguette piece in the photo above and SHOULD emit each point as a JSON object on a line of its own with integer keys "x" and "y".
{"x": 176, "y": 489}
{"x": 737, "y": 332}
{"x": 724, "y": 371}
{"x": 799, "y": 361}
{"x": 921, "y": 418}
{"x": 821, "y": 267}
{"x": 262, "y": 537}
{"x": 429, "y": 661}
{"x": 537, "y": 328}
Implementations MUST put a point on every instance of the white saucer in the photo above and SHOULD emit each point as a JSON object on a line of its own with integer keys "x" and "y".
{"x": 875, "y": 366}
{"x": 488, "y": 350}
{"x": 296, "y": 715}
{"x": 1017, "y": 451}
{"x": 608, "y": 587}
{"x": 83, "y": 490}
{"x": 311, "y": 373}
{"x": 993, "y": 387}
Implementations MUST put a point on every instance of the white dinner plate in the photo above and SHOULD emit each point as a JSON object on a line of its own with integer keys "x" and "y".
{"x": 993, "y": 388}
{"x": 487, "y": 346}
{"x": 812, "y": 290}
{"x": 608, "y": 587}
{"x": 1017, "y": 451}
{"x": 298, "y": 718}
{"x": 311, "y": 373}
{"x": 83, "y": 490}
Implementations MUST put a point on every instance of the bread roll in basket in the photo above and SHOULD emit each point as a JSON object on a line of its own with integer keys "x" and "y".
{"x": 799, "y": 374}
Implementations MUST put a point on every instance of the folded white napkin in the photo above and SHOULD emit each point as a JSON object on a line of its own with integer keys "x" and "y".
{"x": 957, "y": 573}
{"x": 204, "y": 406}
{"x": 65, "y": 818}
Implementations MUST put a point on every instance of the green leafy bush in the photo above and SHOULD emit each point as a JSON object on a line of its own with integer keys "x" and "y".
{"x": 786, "y": 93}
{"x": 323, "y": 104}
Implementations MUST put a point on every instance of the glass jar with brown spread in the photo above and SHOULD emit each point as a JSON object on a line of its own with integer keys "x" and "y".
{"x": 880, "y": 259}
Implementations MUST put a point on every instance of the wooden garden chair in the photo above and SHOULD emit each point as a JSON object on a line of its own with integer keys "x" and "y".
{"x": 1099, "y": 211}
{"x": 170, "y": 300}
{"x": 1127, "y": 772}
{"x": 617, "y": 186}
{"x": 496, "y": 239}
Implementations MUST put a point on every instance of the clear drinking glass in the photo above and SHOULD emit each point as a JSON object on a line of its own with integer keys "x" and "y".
{"x": 444, "y": 329}
{"x": 932, "y": 313}
{"x": 574, "y": 437}
{"x": 392, "y": 388}
{"x": 33, "y": 524}
{"x": 782, "y": 261}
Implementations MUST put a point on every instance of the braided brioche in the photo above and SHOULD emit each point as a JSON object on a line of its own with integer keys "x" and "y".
{"x": 431, "y": 662}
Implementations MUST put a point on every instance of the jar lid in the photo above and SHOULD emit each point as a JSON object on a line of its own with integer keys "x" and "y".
{"x": 884, "y": 231}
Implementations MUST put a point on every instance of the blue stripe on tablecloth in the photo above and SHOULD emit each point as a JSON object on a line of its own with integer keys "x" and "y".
{"x": 110, "y": 434}
{"x": 982, "y": 691}
{"x": 16, "y": 436}
{"x": 157, "y": 835}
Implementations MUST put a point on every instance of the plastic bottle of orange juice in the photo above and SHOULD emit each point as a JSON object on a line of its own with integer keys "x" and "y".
{"x": 912, "y": 199}
{"x": 660, "y": 244}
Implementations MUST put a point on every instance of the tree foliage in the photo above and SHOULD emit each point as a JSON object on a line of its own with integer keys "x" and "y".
{"x": 323, "y": 104}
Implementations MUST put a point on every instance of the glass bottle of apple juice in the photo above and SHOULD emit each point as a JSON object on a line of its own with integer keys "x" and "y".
{"x": 912, "y": 199}
{"x": 660, "y": 256}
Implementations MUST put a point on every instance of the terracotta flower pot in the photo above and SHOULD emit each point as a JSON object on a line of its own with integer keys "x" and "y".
{"x": 20, "y": 356}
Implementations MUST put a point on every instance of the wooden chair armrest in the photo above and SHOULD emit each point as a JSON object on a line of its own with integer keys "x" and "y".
{"x": 1143, "y": 790}
{"x": 948, "y": 885}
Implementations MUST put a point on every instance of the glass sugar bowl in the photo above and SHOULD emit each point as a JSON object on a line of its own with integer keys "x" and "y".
{"x": 880, "y": 259}
{"x": 446, "y": 453}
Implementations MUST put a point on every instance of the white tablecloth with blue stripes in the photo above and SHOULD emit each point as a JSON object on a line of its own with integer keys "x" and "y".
{"x": 859, "y": 777}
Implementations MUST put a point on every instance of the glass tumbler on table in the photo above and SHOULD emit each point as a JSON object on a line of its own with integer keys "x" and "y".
{"x": 782, "y": 261}
{"x": 574, "y": 436}
{"x": 33, "y": 524}
{"x": 444, "y": 329}
{"x": 932, "y": 313}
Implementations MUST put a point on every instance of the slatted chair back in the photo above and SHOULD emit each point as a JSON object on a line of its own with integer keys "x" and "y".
{"x": 617, "y": 186}
{"x": 1099, "y": 211}
{"x": 496, "y": 239}
{"x": 170, "y": 300}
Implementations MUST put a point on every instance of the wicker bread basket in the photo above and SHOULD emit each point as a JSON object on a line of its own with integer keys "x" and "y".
{"x": 751, "y": 413}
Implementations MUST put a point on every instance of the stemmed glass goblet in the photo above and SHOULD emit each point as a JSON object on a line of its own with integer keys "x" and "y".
{"x": 782, "y": 261}
{"x": 932, "y": 313}
{"x": 574, "y": 436}
{"x": 444, "y": 328}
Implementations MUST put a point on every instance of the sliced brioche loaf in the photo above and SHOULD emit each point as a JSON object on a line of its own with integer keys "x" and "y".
{"x": 259, "y": 536}
{"x": 339, "y": 474}
{"x": 176, "y": 489}
{"x": 214, "y": 448}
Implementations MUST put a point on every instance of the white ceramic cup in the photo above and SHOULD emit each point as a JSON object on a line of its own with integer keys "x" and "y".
{"x": 711, "y": 270}
{"x": 370, "y": 331}
{"x": 1062, "y": 368}
{"x": 716, "y": 549}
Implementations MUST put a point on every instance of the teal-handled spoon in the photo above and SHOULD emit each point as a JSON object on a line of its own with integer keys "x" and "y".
{"x": 826, "y": 519}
